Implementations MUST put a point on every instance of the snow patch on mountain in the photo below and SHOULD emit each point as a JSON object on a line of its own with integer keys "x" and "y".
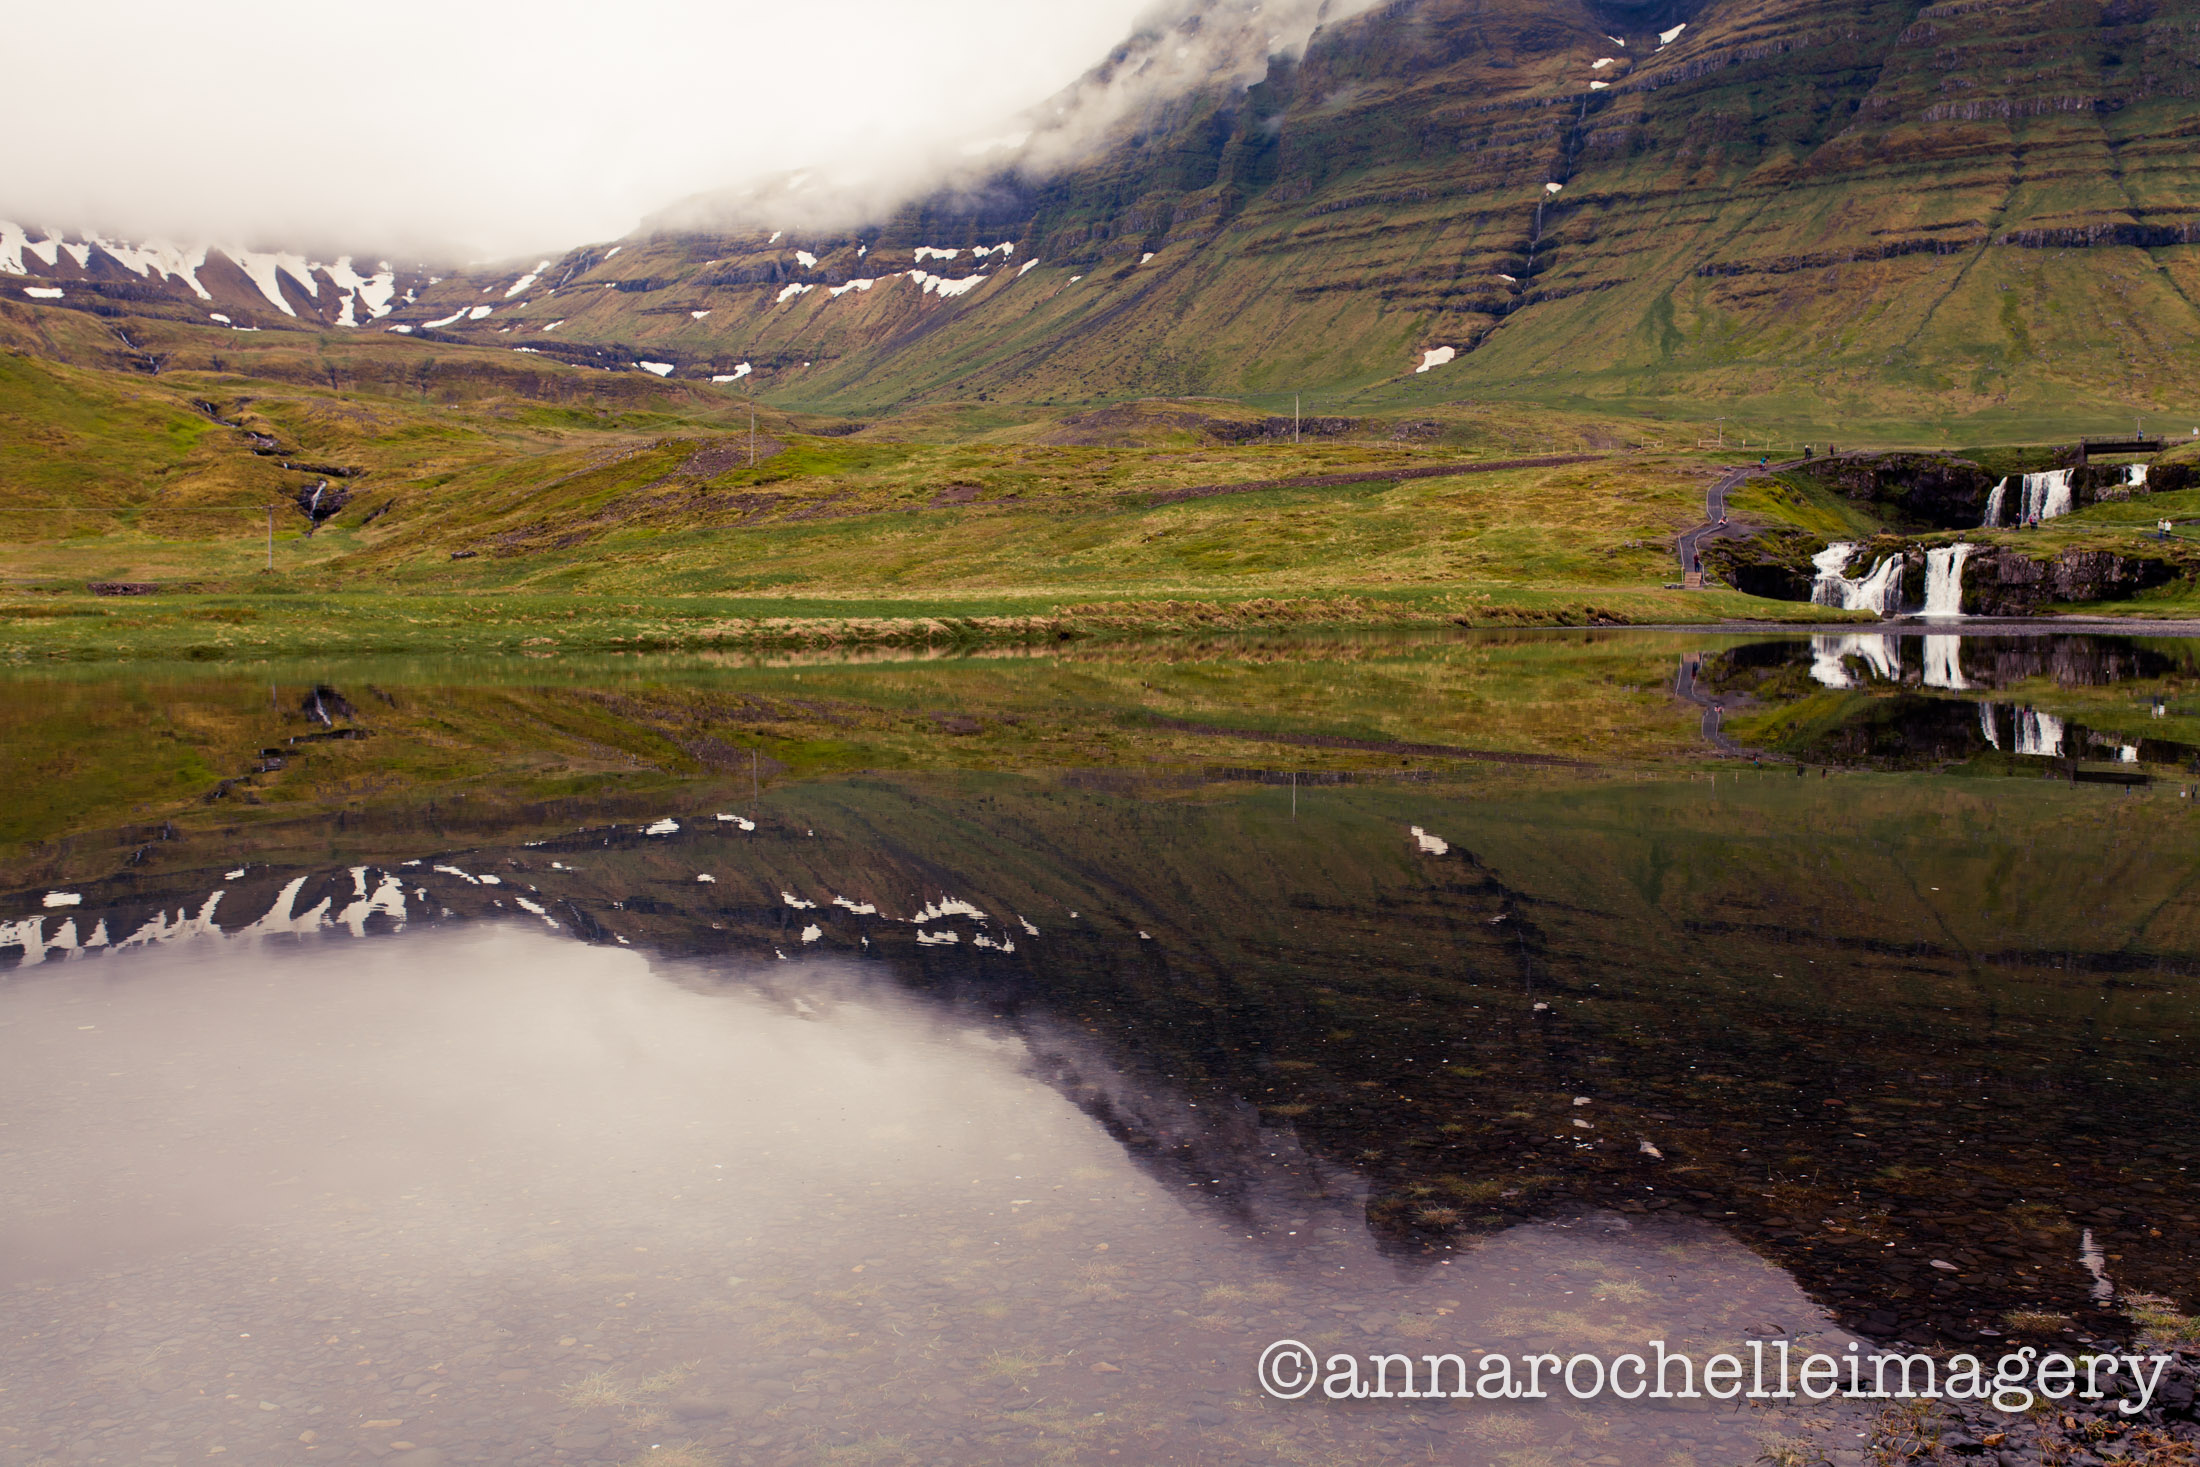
{"x": 527, "y": 280}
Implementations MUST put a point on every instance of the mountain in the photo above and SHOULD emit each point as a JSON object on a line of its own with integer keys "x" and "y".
{"x": 1827, "y": 208}
{"x": 228, "y": 285}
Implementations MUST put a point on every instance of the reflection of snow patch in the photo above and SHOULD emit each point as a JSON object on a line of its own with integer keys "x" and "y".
{"x": 937, "y": 939}
{"x": 812, "y": 932}
{"x": 666, "y": 826}
{"x": 462, "y": 876}
{"x": 1028, "y": 928}
{"x": 946, "y": 907}
{"x": 64, "y": 899}
{"x": 861, "y": 909}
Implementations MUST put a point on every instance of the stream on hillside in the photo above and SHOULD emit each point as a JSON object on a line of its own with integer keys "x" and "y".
{"x": 419, "y": 1065}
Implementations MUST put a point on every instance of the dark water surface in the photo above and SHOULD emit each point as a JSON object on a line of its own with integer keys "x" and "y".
{"x": 829, "y": 1065}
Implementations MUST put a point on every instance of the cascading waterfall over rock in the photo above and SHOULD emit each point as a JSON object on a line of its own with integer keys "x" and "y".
{"x": 1993, "y": 506}
{"x": 2135, "y": 476}
{"x": 1944, "y": 580}
{"x": 1880, "y": 591}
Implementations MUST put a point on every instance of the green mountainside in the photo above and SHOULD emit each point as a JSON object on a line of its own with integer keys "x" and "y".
{"x": 1538, "y": 272}
{"x": 1825, "y": 208}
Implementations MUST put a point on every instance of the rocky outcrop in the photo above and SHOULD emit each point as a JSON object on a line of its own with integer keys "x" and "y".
{"x": 1924, "y": 489}
{"x": 2008, "y": 582}
{"x": 1774, "y": 564}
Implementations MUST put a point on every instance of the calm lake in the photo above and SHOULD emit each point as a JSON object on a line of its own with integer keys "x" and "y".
{"x": 988, "y": 1059}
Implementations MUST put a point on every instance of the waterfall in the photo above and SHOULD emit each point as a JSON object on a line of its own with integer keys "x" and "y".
{"x": 1881, "y": 591}
{"x": 1987, "y": 726}
{"x": 2046, "y": 497}
{"x": 2135, "y": 476}
{"x": 2039, "y": 734}
{"x": 1944, "y": 580}
{"x": 1829, "y": 659}
{"x": 1944, "y": 664}
{"x": 1993, "y": 506}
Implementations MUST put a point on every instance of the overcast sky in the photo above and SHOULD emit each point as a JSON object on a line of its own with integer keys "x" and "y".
{"x": 490, "y": 129}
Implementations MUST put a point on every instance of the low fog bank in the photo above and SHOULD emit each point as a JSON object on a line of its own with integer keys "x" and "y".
{"x": 431, "y": 131}
{"x": 1176, "y": 48}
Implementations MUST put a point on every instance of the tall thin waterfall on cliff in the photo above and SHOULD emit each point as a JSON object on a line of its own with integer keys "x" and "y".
{"x": 1993, "y": 506}
{"x": 2039, "y": 734}
{"x": 1944, "y": 664}
{"x": 2046, "y": 496}
{"x": 1944, "y": 580}
{"x": 1881, "y": 591}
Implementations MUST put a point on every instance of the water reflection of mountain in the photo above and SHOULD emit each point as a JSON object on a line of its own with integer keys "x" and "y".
{"x": 1871, "y": 1027}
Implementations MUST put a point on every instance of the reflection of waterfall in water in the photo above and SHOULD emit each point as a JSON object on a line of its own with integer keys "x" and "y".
{"x": 1829, "y": 659}
{"x": 2096, "y": 1264}
{"x": 1987, "y": 726}
{"x": 1944, "y": 664}
{"x": 2039, "y": 734}
{"x": 1880, "y": 591}
{"x": 1944, "y": 580}
{"x": 1993, "y": 506}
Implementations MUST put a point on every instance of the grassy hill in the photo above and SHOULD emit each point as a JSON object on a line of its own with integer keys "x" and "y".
{"x": 1846, "y": 220}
